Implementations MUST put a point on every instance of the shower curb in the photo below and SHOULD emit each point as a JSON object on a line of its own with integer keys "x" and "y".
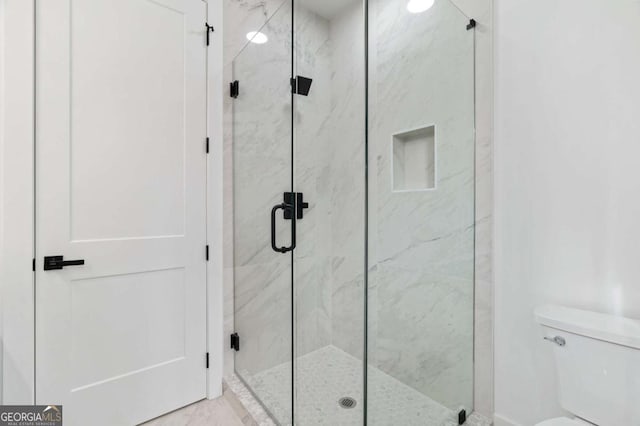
{"x": 244, "y": 395}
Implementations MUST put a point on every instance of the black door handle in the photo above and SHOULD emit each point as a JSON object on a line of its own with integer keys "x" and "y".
{"x": 285, "y": 208}
{"x": 58, "y": 262}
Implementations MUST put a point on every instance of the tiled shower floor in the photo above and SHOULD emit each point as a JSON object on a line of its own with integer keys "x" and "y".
{"x": 328, "y": 374}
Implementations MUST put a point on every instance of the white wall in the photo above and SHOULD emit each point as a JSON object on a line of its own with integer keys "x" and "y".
{"x": 16, "y": 200}
{"x": 567, "y": 180}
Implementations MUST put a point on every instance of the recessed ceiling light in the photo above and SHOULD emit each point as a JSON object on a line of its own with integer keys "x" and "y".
{"x": 419, "y": 6}
{"x": 257, "y": 37}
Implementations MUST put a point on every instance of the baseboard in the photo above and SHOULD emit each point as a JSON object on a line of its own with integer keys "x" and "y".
{"x": 499, "y": 420}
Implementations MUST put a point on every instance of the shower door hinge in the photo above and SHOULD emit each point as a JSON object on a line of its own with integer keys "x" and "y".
{"x": 471, "y": 24}
{"x": 301, "y": 85}
{"x": 462, "y": 417}
{"x": 207, "y": 359}
{"x": 234, "y": 89}
{"x": 207, "y": 145}
{"x": 33, "y": 265}
{"x": 209, "y": 30}
{"x": 235, "y": 342}
{"x": 206, "y": 252}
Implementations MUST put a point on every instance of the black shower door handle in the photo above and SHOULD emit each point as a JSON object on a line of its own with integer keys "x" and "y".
{"x": 274, "y": 246}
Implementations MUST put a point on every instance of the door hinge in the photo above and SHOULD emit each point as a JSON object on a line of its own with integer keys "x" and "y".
{"x": 33, "y": 265}
{"x": 206, "y": 252}
{"x": 301, "y": 85}
{"x": 234, "y": 89}
{"x": 209, "y": 30}
{"x": 471, "y": 24}
{"x": 207, "y": 359}
{"x": 207, "y": 144}
{"x": 235, "y": 342}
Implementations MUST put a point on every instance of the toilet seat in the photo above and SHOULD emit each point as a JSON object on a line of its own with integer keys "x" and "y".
{"x": 563, "y": 421}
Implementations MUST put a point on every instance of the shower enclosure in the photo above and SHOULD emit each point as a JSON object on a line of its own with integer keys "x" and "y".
{"x": 354, "y": 179}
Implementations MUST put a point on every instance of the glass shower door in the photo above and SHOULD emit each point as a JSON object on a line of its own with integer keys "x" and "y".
{"x": 262, "y": 173}
{"x": 329, "y": 171}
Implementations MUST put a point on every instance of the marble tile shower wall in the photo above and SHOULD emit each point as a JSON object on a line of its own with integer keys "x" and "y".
{"x": 422, "y": 242}
{"x": 347, "y": 179}
{"x": 312, "y": 153}
{"x": 329, "y": 169}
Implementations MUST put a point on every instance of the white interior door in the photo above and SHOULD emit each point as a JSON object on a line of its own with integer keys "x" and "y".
{"x": 121, "y": 169}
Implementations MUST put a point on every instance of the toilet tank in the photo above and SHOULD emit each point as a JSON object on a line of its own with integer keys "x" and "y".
{"x": 598, "y": 367}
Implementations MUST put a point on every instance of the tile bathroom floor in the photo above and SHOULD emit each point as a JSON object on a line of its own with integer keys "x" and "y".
{"x": 328, "y": 374}
{"x": 227, "y": 410}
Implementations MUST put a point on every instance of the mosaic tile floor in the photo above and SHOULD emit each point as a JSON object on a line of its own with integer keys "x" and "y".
{"x": 328, "y": 374}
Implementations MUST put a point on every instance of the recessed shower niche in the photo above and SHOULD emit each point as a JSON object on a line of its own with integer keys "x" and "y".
{"x": 414, "y": 159}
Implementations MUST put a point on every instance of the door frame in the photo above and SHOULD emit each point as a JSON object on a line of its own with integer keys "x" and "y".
{"x": 17, "y": 201}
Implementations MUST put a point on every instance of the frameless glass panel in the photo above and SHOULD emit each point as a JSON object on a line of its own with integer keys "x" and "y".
{"x": 261, "y": 174}
{"x": 421, "y": 213}
{"x": 329, "y": 172}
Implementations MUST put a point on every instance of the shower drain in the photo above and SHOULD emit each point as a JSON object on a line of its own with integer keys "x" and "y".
{"x": 347, "y": 402}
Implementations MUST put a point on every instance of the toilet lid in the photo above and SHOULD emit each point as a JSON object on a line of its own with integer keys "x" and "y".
{"x": 561, "y": 421}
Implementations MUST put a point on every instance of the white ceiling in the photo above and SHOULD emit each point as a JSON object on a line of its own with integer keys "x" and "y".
{"x": 326, "y": 8}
